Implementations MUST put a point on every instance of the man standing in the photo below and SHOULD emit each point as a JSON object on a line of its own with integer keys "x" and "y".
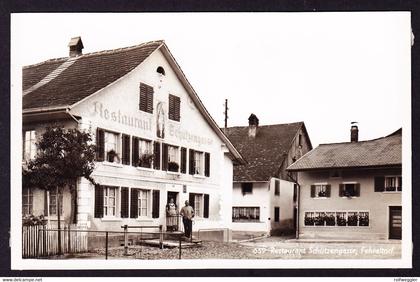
{"x": 187, "y": 213}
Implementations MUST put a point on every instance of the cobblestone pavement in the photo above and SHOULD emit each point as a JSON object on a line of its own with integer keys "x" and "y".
{"x": 266, "y": 248}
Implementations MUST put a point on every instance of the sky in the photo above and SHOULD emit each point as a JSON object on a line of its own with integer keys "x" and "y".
{"x": 326, "y": 69}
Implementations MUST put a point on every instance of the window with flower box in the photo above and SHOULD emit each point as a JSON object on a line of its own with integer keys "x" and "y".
{"x": 142, "y": 152}
{"x": 108, "y": 146}
{"x": 320, "y": 190}
{"x": 388, "y": 183}
{"x": 339, "y": 218}
{"x": 349, "y": 190}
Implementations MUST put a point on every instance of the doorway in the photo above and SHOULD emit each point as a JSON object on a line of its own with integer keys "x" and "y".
{"x": 172, "y": 212}
{"x": 395, "y": 222}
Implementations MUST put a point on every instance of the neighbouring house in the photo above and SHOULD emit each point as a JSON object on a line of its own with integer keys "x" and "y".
{"x": 263, "y": 195}
{"x": 351, "y": 190}
{"x": 155, "y": 139}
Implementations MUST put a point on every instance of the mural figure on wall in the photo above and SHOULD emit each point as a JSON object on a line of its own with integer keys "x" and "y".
{"x": 160, "y": 128}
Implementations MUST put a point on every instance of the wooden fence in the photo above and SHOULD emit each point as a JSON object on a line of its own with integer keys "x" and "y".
{"x": 41, "y": 241}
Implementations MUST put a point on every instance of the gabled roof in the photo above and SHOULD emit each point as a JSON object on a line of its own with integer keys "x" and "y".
{"x": 265, "y": 152}
{"x": 82, "y": 75}
{"x": 59, "y": 84}
{"x": 381, "y": 152}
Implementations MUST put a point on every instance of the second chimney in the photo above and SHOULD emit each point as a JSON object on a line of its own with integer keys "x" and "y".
{"x": 354, "y": 132}
{"x": 253, "y": 125}
{"x": 75, "y": 46}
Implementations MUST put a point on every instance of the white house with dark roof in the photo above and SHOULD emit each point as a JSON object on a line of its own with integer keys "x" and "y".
{"x": 155, "y": 139}
{"x": 351, "y": 190}
{"x": 263, "y": 194}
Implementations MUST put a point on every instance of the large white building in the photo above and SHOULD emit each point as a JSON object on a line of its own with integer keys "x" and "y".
{"x": 155, "y": 139}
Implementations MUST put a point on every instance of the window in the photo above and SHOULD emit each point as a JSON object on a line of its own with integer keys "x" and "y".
{"x": 245, "y": 214}
{"x": 320, "y": 190}
{"x": 174, "y": 107}
{"x": 198, "y": 163}
{"x": 143, "y": 202}
{"x": 277, "y": 187}
{"x": 276, "y": 214}
{"x": 160, "y": 70}
{"x": 340, "y": 218}
{"x": 110, "y": 196}
{"x": 27, "y": 201}
{"x": 349, "y": 190}
{"x": 142, "y": 152}
{"x": 393, "y": 183}
{"x": 29, "y": 145}
{"x": 173, "y": 158}
{"x": 200, "y": 203}
{"x": 300, "y": 140}
{"x": 107, "y": 146}
{"x": 53, "y": 202}
{"x": 246, "y": 188}
{"x": 146, "y": 98}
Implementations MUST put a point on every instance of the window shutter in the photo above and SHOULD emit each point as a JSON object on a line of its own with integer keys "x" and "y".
{"x": 150, "y": 99}
{"x": 100, "y": 145}
{"x": 357, "y": 189}
{"x": 341, "y": 190}
{"x": 99, "y": 201}
{"x": 399, "y": 183}
{"x": 328, "y": 191}
{"x": 177, "y": 108}
{"x": 206, "y": 205}
{"x": 124, "y": 202}
{"x": 156, "y": 155}
{"x": 183, "y": 160}
{"x": 379, "y": 183}
{"x": 143, "y": 97}
{"x": 207, "y": 164}
{"x": 192, "y": 163}
{"x": 165, "y": 156}
{"x": 125, "y": 149}
{"x": 312, "y": 191}
{"x": 171, "y": 107}
{"x": 191, "y": 200}
{"x": 155, "y": 204}
{"x": 134, "y": 207}
{"x": 135, "y": 153}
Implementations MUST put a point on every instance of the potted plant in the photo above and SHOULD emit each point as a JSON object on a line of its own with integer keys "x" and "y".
{"x": 29, "y": 220}
{"x": 363, "y": 220}
{"x": 341, "y": 221}
{"x": 330, "y": 220}
{"x": 112, "y": 156}
{"x": 352, "y": 220}
{"x": 322, "y": 194}
{"x": 145, "y": 160}
{"x": 173, "y": 166}
{"x": 320, "y": 219}
{"x": 309, "y": 221}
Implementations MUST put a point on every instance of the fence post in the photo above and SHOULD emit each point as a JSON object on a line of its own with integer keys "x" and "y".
{"x": 37, "y": 241}
{"x": 125, "y": 240}
{"x": 180, "y": 237}
{"x": 69, "y": 242}
{"x": 106, "y": 245}
{"x": 160, "y": 236}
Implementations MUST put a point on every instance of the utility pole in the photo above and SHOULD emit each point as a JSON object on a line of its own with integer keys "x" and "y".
{"x": 226, "y": 112}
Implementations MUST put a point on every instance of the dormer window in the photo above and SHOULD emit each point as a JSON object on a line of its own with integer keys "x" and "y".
{"x": 160, "y": 70}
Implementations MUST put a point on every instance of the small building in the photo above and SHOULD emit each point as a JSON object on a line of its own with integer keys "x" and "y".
{"x": 155, "y": 139}
{"x": 263, "y": 195}
{"x": 351, "y": 190}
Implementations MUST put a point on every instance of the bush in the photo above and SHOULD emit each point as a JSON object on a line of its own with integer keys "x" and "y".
{"x": 173, "y": 166}
{"x": 30, "y": 220}
{"x": 145, "y": 160}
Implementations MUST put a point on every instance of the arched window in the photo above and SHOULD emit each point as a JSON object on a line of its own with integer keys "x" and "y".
{"x": 160, "y": 70}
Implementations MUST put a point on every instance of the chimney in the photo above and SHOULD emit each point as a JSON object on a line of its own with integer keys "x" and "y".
{"x": 75, "y": 46}
{"x": 354, "y": 132}
{"x": 253, "y": 125}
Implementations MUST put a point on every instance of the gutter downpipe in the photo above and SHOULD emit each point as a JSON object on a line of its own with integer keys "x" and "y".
{"x": 298, "y": 203}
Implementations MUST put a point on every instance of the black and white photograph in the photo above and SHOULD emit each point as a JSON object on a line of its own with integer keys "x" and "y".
{"x": 211, "y": 140}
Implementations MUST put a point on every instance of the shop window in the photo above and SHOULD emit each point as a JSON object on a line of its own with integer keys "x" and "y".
{"x": 245, "y": 214}
{"x": 339, "y": 218}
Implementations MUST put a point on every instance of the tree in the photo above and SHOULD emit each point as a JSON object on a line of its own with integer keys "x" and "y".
{"x": 63, "y": 156}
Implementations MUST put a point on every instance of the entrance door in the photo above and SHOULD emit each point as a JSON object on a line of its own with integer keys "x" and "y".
{"x": 395, "y": 221}
{"x": 172, "y": 217}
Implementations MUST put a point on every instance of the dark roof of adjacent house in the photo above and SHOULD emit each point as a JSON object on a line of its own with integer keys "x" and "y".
{"x": 65, "y": 81}
{"x": 381, "y": 152}
{"x": 265, "y": 152}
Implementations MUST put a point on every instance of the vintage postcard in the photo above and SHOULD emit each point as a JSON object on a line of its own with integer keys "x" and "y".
{"x": 211, "y": 140}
